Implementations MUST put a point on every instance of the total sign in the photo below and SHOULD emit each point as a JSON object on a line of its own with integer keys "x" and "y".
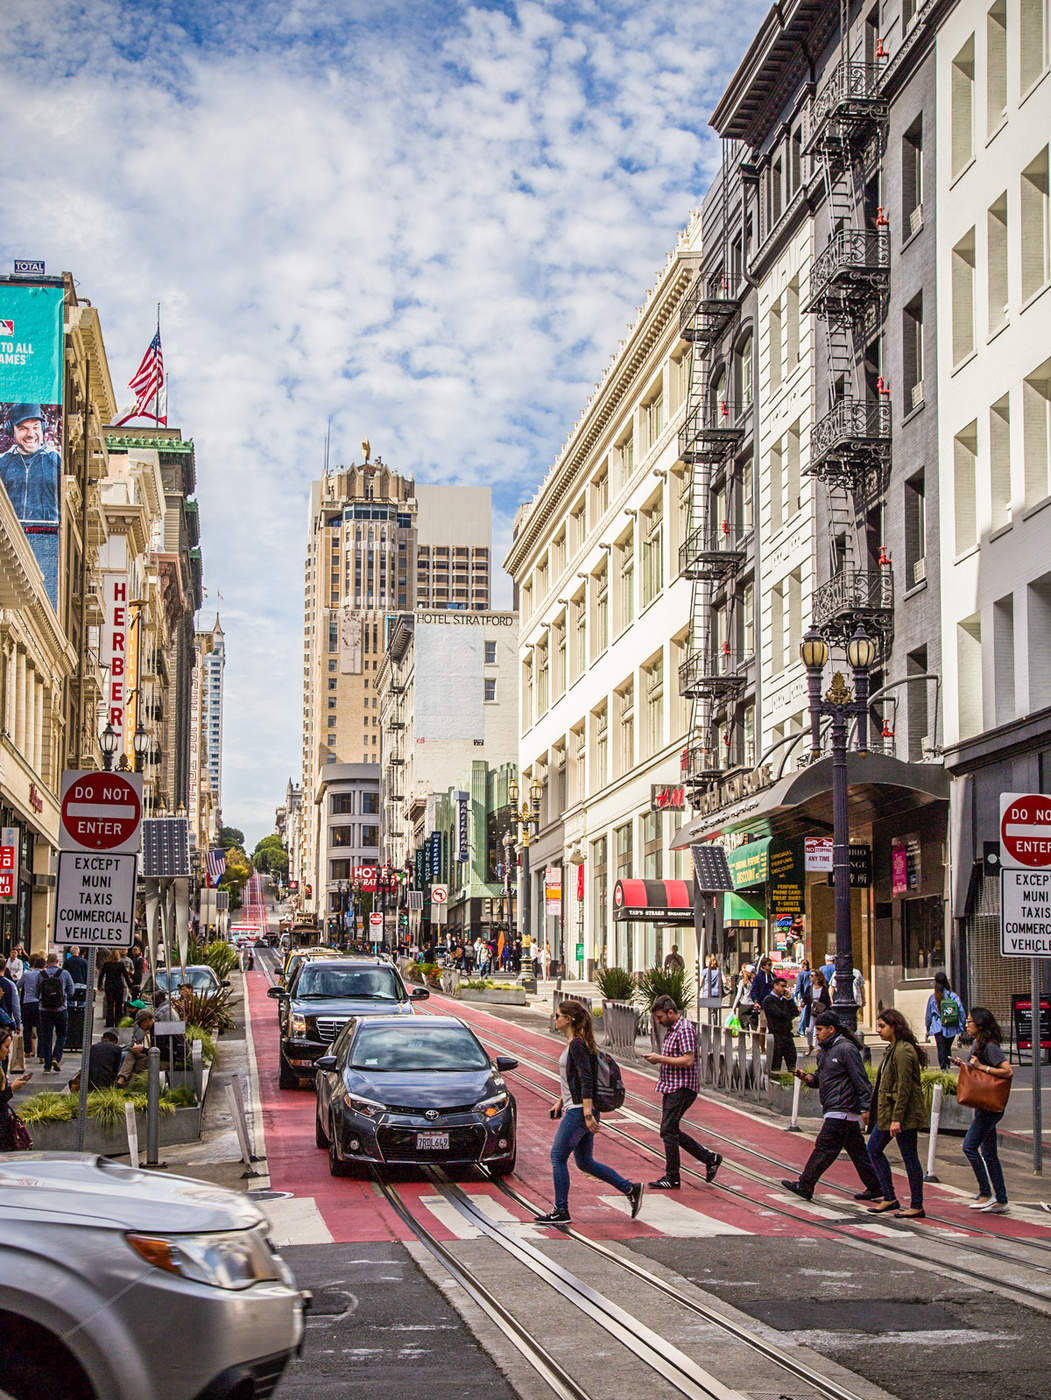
{"x": 1025, "y": 879}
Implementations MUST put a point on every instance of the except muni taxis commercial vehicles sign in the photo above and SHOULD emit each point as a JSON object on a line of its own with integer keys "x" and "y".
{"x": 1025, "y": 876}
{"x": 95, "y": 904}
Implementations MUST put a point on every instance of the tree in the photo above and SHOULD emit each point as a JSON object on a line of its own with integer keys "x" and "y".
{"x": 270, "y": 855}
{"x": 238, "y": 871}
{"x": 230, "y": 836}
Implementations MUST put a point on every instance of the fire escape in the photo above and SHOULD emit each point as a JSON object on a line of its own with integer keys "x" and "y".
{"x": 850, "y": 445}
{"x": 712, "y": 672}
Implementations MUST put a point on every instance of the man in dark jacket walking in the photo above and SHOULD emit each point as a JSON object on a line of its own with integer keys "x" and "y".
{"x": 845, "y": 1096}
{"x": 780, "y": 1011}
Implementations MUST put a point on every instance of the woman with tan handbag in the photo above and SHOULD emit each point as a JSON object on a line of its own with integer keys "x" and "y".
{"x": 984, "y": 1084}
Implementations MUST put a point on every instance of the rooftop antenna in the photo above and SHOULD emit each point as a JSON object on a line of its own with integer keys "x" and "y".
{"x": 328, "y": 441}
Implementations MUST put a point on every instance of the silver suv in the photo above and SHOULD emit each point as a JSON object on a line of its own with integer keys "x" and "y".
{"x": 100, "y": 1263}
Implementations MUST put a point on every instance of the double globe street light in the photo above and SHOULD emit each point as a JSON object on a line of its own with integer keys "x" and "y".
{"x": 840, "y": 705}
{"x": 527, "y": 816}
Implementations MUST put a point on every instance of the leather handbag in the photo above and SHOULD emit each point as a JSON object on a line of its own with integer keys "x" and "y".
{"x": 977, "y": 1089}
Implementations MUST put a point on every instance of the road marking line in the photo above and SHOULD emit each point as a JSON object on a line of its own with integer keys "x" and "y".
{"x": 673, "y": 1218}
{"x": 296, "y": 1221}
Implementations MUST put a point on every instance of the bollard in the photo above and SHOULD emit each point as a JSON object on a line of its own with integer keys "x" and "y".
{"x": 197, "y": 1069}
{"x": 936, "y": 1118}
{"x": 153, "y": 1111}
{"x": 133, "y": 1132}
{"x": 237, "y": 1113}
{"x": 793, "y": 1126}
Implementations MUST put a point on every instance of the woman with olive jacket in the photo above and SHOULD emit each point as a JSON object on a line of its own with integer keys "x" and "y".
{"x": 898, "y": 1111}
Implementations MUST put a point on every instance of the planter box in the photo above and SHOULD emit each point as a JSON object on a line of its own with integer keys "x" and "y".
{"x": 514, "y": 997}
{"x": 954, "y": 1118}
{"x": 184, "y": 1125}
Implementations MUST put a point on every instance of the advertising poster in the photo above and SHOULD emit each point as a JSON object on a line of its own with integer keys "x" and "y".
{"x": 31, "y": 417}
{"x": 9, "y": 855}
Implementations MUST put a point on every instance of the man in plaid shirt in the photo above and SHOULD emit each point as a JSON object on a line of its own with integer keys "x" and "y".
{"x": 678, "y": 1084}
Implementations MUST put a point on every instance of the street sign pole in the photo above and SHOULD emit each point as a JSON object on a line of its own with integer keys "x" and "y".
{"x": 1038, "y": 1053}
{"x": 85, "y": 1050}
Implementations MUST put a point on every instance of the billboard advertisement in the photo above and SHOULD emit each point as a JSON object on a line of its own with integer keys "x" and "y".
{"x": 31, "y": 416}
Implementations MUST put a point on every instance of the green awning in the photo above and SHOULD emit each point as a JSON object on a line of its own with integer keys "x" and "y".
{"x": 744, "y": 909}
{"x": 750, "y": 864}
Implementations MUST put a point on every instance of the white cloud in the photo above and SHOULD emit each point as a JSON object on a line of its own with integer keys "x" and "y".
{"x": 431, "y": 221}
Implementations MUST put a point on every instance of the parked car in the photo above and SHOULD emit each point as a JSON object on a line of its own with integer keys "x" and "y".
{"x": 323, "y": 995}
{"x": 100, "y": 1262}
{"x": 200, "y": 976}
{"x": 395, "y": 1091}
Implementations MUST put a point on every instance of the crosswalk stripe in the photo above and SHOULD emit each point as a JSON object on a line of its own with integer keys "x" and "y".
{"x": 671, "y": 1217}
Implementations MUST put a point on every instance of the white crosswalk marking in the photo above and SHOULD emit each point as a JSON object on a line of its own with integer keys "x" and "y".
{"x": 672, "y": 1217}
{"x": 463, "y": 1229}
{"x": 296, "y": 1221}
{"x": 822, "y": 1212}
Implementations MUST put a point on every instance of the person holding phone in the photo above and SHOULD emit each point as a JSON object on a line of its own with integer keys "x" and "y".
{"x": 7, "y": 1089}
{"x": 980, "y": 1144}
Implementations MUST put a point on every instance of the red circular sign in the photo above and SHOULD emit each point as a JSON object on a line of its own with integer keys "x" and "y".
{"x": 1025, "y": 829}
{"x": 101, "y": 811}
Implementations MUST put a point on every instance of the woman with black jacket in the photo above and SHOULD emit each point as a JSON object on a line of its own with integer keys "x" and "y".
{"x": 114, "y": 983}
{"x": 577, "y": 1071}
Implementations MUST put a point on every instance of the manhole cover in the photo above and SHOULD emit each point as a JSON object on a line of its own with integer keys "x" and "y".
{"x": 857, "y": 1315}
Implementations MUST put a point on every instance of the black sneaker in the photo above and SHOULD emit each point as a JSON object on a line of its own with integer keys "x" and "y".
{"x": 868, "y": 1195}
{"x": 635, "y": 1197}
{"x": 554, "y": 1217}
{"x": 665, "y": 1184}
{"x": 798, "y": 1190}
{"x": 712, "y": 1166}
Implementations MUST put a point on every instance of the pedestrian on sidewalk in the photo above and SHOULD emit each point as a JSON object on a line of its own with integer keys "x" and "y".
{"x": 742, "y": 999}
{"x": 674, "y": 961}
{"x": 820, "y": 1001}
{"x": 115, "y": 985}
{"x": 30, "y": 1004}
{"x": 945, "y": 1018}
{"x": 979, "y": 1146}
{"x": 54, "y": 993}
{"x": 802, "y": 991}
{"x": 678, "y": 1083}
{"x": 845, "y": 1094}
{"x": 763, "y": 982}
{"x": 577, "y": 1073}
{"x": 780, "y": 1011}
{"x": 8, "y": 1120}
{"x": 899, "y": 1112}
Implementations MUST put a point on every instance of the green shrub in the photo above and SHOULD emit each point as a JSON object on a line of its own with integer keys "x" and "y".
{"x": 615, "y": 984}
{"x": 207, "y": 1043}
{"x": 221, "y": 957}
{"x": 49, "y": 1106}
{"x": 657, "y": 982}
{"x": 208, "y": 1010}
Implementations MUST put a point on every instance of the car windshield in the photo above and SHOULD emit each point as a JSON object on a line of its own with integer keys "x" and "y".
{"x": 349, "y": 983}
{"x": 199, "y": 978}
{"x": 416, "y": 1047}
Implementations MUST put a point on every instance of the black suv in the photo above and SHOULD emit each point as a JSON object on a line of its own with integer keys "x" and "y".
{"x": 322, "y": 997}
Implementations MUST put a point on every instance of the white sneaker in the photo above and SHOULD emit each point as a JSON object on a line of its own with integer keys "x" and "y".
{"x": 980, "y": 1203}
{"x": 996, "y": 1208}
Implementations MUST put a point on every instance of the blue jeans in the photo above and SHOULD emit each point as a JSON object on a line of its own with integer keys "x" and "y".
{"x": 575, "y": 1139}
{"x": 979, "y": 1147}
{"x": 879, "y": 1139}
{"x": 944, "y": 1041}
{"x": 52, "y": 1026}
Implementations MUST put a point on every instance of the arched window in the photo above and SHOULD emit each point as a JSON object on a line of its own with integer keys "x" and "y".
{"x": 718, "y": 390}
{"x": 743, "y": 372}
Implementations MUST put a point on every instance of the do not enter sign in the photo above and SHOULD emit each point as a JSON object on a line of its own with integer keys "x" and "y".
{"x": 1025, "y": 829}
{"x": 101, "y": 811}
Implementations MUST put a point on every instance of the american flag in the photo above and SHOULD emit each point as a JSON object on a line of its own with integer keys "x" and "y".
{"x": 216, "y": 866}
{"x": 151, "y": 396}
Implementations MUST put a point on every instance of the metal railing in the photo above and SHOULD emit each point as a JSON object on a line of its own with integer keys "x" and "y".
{"x": 854, "y": 591}
{"x": 717, "y": 671}
{"x": 851, "y": 421}
{"x": 851, "y": 89}
{"x": 859, "y": 257}
{"x": 714, "y": 545}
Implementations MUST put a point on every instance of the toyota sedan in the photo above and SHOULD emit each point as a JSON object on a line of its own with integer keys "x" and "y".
{"x": 413, "y": 1092}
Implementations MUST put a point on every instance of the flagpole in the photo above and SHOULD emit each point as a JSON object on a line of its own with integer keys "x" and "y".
{"x": 157, "y": 391}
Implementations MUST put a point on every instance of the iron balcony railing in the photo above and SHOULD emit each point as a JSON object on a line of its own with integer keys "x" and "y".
{"x": 705, "y": 310}
{"x": 856, "y": 261}
{"x": 854, "y": 593}
{"x": 715, "y": 549}
{"x": 854, "y": 427}
{"x": 709, "y": 432}
{"x": 710, "y": 673}
{"x": 851, "y": 93}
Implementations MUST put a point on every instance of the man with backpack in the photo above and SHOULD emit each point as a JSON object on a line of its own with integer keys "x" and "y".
{"x": 678, "y": 1084}
{"x": 55, "y": 992}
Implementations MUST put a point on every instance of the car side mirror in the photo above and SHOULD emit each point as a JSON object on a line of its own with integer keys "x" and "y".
{"x": 506, "y": 1062}
{"x": 419, "y": 994}
{"x": 276, "y": 992}
{"x": 325, "y": 1062}
{"x": 225, "y": 982}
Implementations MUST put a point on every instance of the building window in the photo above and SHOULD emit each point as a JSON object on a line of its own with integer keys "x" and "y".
{"x": 370, "y": 802}
{"x": 542, "y": 679}
{"x": 527, "y": 694}
{"x": 653, "y": 420}
{"x": 996, "y": 65}
{"x": 600, "y": 494}
{"x": 1036, "y": 429}
{"x": 558, "y": 556}
{"x": 599, "y": 897}
{"x": 1038, "y": 610}
{"x": 965, "y": 487}
{"x": 678, "y": 380}
{"x": 1004, "y": 660}
{"x": 1032, "y": 27}
{"x": 490, "y": 653}
{"x": 490, "y": 687}
{"x": 792, "y": 324}
{"x": 599, "y": 747}
{"x": 963, "y": 298}
{"x": 969, "y": 675}
{"x": 776, "y": 488}
{"x": 578, "y": 522}
{"x": 624, "y": 611}
{"x": 578, "y": 756}
{"x": 653, "y": 695}
{"x": 743, "y": 372}
{"x": 558, "y": 657}
{"x": 623, "y": 854}
{"x": 342, "y": 804}
{"x": 915, "y": 531}
{"x": 1000, "y": 461}
{"x": 923, "y": 935}
{"x": 1034, "y": 221}
{"x": 996, "y": 270}
{"x": 341, "y": 836}
{"x": 912, "y": 352}
{"x": 578, "y": 613}
{"x": 652, "y": 550}
{"x": 961, "y": 140}
{"x": 912, "y": 178}
{"x": 370, "y": 835}
{"x": 773, "y": 322}
{"x": 652, "y": 847}
{"x": 600, "y": 611}
{"x": 748, "y": 620}
{"x": 625, "y": 730}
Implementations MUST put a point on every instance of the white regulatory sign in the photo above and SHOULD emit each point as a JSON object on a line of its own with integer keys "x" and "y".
{"x": 95, "y": 903}
{"x": 439, "y": 894}
{"x": 1025, "y": 913}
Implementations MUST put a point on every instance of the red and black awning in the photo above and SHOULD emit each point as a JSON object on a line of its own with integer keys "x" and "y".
{"x": 652, "y": 901}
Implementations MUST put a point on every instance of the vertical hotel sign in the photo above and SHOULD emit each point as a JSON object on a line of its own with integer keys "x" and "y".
{"x": 31, "y": 416}
{"x": 115, "y": 633}
{"x": 9, "y": 854}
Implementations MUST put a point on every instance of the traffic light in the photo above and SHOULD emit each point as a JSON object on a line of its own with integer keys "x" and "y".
{"x": 404, "y": 920}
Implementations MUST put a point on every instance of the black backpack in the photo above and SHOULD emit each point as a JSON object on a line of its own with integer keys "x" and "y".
{"x": 50, "y": 991}
{"x": 609, "y": 1083}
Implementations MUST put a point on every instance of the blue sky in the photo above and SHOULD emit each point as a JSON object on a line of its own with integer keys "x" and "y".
{"x": 432, "y": 222}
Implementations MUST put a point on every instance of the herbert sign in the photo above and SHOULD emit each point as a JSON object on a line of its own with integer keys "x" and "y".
{"x": 101, "y": 812}
{"x": 95, "y": 904}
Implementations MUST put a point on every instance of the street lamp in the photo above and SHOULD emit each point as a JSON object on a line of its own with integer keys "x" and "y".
{"x": 840, "y": 706}
{"x": 527, "y": 816}
{"x": 108, "y": 742}
{"x": 341, "y": 889}
{"x": 140, "y": 742}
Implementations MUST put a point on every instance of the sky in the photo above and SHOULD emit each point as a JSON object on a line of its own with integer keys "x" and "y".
{"x": 431, "y": 223}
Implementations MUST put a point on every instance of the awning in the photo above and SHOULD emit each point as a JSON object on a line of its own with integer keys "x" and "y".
{"x": 877, "y": 787}
{"x": 750, "y": 864}
{"x": 744, "y": 909}
{"x": 652, "y": 901}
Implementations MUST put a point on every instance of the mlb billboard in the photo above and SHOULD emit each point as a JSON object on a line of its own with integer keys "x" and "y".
{"x": 31, "y": 417}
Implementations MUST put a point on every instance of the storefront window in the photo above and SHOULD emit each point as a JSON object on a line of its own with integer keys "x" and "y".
{"x": 599, "y": 904}
{"x": 923, "y": 936}
{"x": 625, "y": 949}
{"x": 652, "y": 861}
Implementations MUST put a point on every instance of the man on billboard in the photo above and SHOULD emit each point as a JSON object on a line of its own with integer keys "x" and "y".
{"x": 30, "y": 470}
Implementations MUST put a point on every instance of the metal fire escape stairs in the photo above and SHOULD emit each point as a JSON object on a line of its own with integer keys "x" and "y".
{"x": 850, "y": 444}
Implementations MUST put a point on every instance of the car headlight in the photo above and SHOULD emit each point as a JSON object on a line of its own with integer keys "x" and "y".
{"x": 491, "y": 1107}
{"x": 367, "y": 1107}
{"x": 234, "y": 1260}
{"x": 299, "y": 1025}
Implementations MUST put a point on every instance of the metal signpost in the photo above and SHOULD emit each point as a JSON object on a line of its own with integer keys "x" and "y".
{"x": 1025, "y": 911}
{"x": 101, "y": 819}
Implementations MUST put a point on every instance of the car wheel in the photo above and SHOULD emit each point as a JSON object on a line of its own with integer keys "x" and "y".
{"x": 28, "y": 1374}
{"x": 320, "y": 1140}
{"x": 336, "y": 1166}
{"x": 505, "y": 1168}
{"x": 285, "y": 1078}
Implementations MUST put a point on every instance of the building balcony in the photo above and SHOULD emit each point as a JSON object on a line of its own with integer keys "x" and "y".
{"x": 854, "y": 596}
{"x": 708, "y": 674}
{"x": 396, "y": 724}
{"x": 847, "y": 274}
{"x": 846, "y": 110}
{"x": 711, "y": 552}
{"x": 698, "y": 764}
{"x": 851, "y": 441}
{"x": 395, "y": 760}
{"x": 711, "y": 431}
{"x": 706, "y": 312}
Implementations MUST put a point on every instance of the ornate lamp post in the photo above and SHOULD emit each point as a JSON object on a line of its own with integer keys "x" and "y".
{"x": 108, "y": 745}
{"x": 528, "y": 818}
{"x": 140, "y": 742}
{"x": 840, "y": 706}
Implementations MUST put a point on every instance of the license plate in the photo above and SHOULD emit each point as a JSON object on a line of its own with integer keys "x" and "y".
{"x": 432, "y": 1142}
